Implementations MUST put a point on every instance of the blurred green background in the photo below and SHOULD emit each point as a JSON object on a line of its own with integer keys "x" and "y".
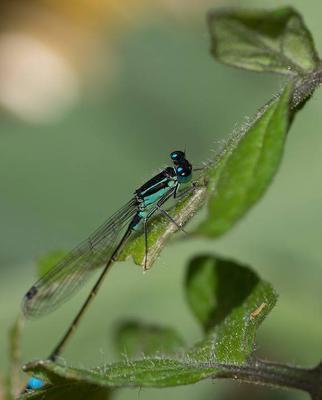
{"x": 125, "y": 87}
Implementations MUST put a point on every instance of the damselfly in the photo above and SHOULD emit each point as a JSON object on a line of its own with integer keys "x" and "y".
{"x": 104, "y": 245}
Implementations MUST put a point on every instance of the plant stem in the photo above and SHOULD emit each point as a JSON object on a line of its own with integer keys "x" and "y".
{"x": 305, "y": 87}
{"x": 277, "y": 375}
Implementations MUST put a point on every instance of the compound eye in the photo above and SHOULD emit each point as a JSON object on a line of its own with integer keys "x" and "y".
{"x": 177, "y": 155}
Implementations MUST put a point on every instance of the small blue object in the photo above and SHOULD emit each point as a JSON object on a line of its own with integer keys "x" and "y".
{"x": 35, "y": 383}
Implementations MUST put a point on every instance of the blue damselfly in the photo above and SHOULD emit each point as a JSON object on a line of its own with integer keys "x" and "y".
{"x": 104, "y": 245}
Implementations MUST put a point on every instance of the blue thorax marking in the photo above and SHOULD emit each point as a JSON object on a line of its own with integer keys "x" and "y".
{"x": 151, "y": 192}
{"x": 155, "y": 188}
{"x": 155, "y": 194}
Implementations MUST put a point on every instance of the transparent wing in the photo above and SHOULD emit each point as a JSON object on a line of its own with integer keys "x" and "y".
{"x": 67, "y": 276}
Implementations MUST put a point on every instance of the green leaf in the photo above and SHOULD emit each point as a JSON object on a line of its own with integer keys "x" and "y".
{"x": 237, "y": 301}
{"x": 275, "y": 41}
{"x": 215, "y": 287}
{"x": 161, "y": 230}
{"x": 246, "y": 166}
{"x": 137, "y": 339}
{"x": 148, "y": 372}
{"x": 230, "y": 301}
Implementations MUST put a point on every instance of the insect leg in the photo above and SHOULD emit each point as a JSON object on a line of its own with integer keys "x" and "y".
{"x": 166, "y": 214}
{"x": 145, "y": 228}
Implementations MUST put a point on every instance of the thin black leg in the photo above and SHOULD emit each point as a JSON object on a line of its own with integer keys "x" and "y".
{"x": 176, "y": 190}
{"x": 145, "y": 228}
{"x": 166, "y": 214}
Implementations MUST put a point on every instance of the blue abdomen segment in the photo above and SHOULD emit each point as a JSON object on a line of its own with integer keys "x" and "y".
{"x": 35, "y": 383}
{"x": 136, "y": 222}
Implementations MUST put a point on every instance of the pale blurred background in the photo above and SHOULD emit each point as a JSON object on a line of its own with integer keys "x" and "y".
{"x": 94, "y": 94}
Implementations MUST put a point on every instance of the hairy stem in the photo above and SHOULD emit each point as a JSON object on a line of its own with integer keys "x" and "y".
{"x": 277, "y": 375}
{"x": 305, "y": 87}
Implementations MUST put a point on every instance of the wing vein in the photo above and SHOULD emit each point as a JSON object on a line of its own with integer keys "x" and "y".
{"x": 71, "y": 272}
